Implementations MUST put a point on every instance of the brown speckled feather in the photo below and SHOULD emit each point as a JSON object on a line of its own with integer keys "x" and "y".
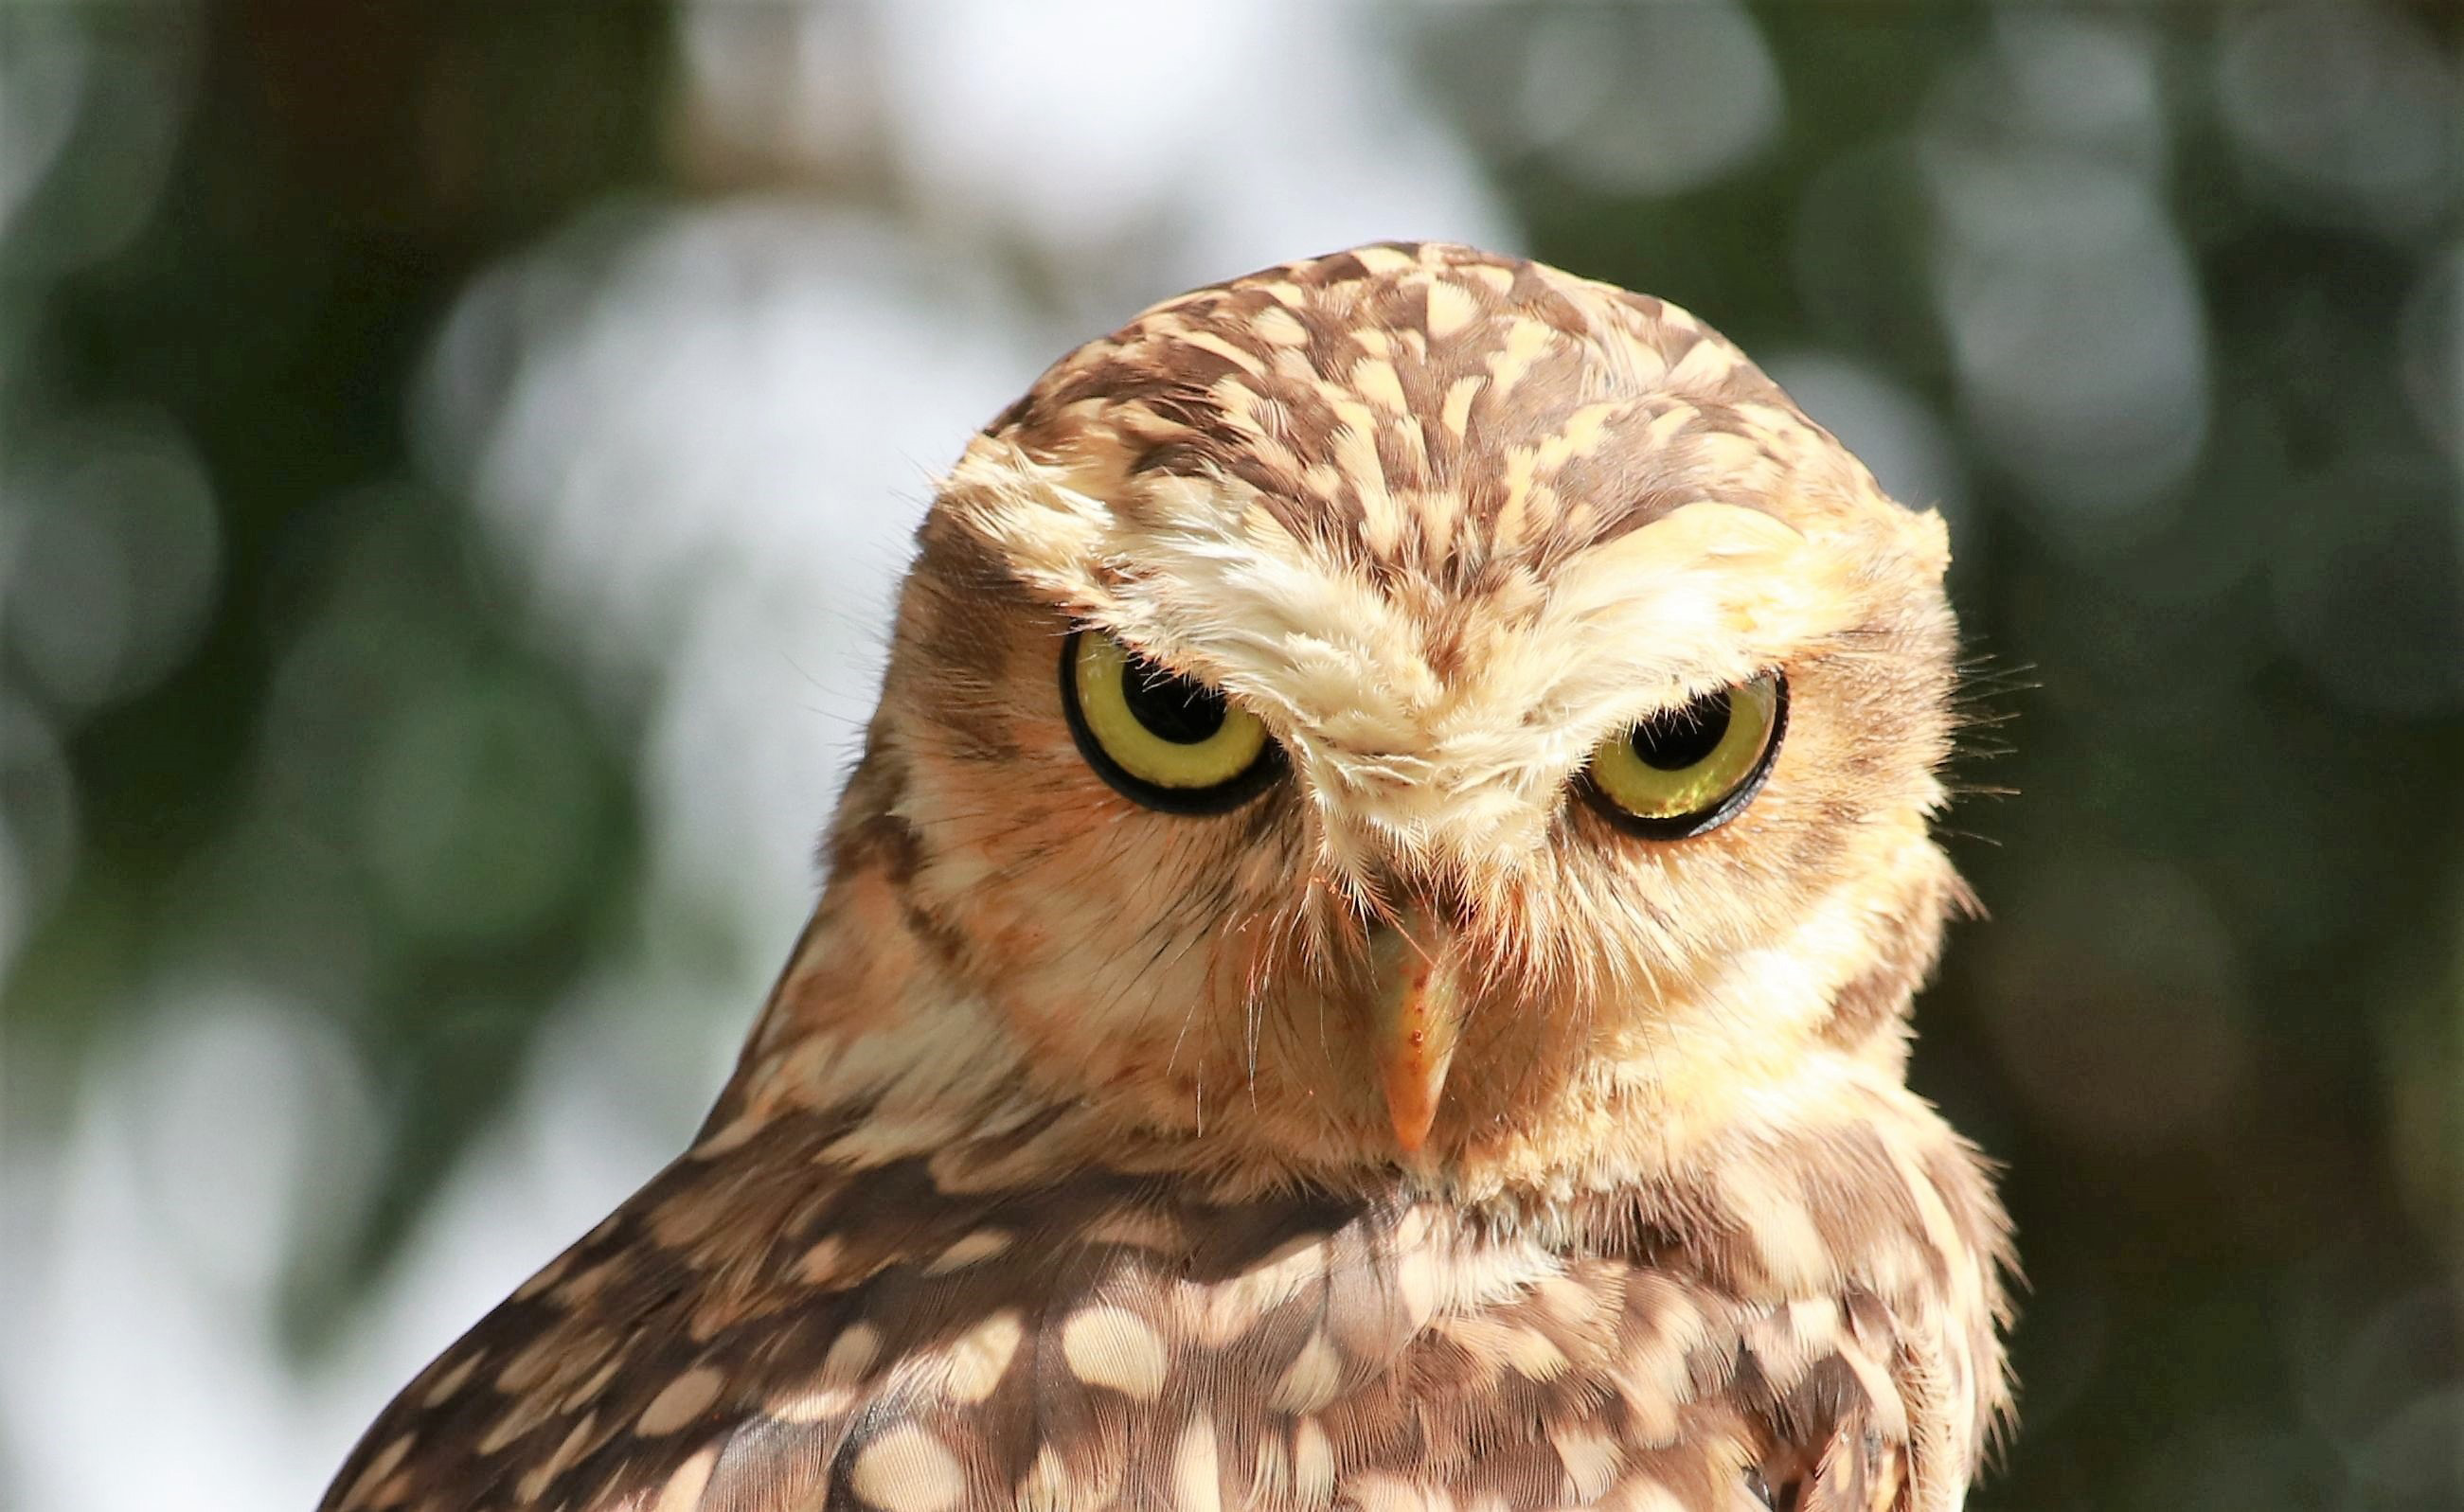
{"x": 761, "y": 1331}
{"x": 1056, "y": 1174}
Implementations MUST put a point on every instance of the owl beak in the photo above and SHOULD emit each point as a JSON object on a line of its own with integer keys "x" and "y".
{"x": 1419, "y": 1018}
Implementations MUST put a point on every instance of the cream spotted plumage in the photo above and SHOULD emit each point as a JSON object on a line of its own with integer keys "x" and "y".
{"x": 1411, "y": 1133}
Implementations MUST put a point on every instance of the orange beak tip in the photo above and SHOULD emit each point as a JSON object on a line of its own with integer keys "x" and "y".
{"x": 1411, "y": 1111}
{"x": 1418, "y": 1017}
{"x": 1414, "y": 1065}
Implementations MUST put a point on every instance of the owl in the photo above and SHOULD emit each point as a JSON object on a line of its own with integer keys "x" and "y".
{"x": 1366, "y": 964}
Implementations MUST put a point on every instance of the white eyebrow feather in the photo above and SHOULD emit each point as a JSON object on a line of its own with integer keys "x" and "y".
{"x": 1345, "y": 675}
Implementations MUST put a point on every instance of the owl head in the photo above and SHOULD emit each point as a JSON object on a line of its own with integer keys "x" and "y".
{"x": 1411, "y": 708}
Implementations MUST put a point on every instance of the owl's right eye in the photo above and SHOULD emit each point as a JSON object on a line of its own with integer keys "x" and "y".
{"x": 1168, "y": 741}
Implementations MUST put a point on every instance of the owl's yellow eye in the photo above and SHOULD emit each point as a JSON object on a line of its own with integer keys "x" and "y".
{"x": 1691, "y": 769}
{"x": 1167, "y": 740}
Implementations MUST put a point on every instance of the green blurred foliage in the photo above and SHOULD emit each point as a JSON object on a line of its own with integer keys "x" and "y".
{"x": 2214, "y": 798}
{"x": 362, "y": 783}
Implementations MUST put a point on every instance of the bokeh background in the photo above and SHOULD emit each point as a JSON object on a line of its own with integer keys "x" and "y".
{"x": 456, "y": 460}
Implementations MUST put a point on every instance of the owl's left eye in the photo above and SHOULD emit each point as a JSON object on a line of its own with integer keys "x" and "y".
{"x": 1687, "y": 771}
{"x": 1169, "y": 741}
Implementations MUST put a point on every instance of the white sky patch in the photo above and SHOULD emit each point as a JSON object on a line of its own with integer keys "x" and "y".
{"x": 1648, "y": 98}
{"x": 2075, "y": 324}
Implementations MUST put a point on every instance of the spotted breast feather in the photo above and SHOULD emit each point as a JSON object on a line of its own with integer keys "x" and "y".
{"x": 763, "y": 1327}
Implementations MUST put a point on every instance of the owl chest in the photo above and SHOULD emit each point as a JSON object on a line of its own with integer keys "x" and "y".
{"x": 1369, "y": 1367}
{"x": 1111, "y": 1350}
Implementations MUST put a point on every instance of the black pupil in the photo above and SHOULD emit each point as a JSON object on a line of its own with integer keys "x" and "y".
{"x": 1682, "y": 737}
{"x": 1172, "y": 707}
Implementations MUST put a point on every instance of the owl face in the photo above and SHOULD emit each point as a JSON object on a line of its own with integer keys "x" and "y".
{"x": 1417, "y": 707}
